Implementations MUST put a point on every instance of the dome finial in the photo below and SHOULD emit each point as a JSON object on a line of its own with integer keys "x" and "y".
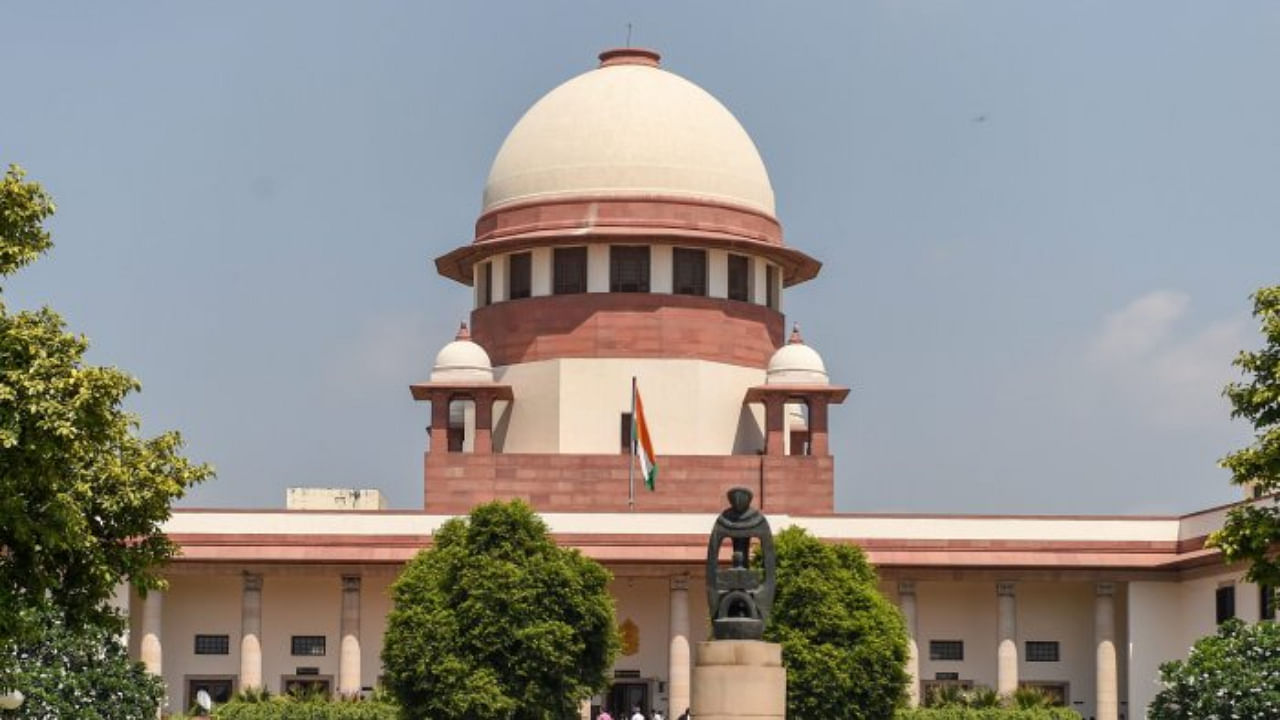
{"x": 795, "y": 335}
{"x": 463, "y": 332}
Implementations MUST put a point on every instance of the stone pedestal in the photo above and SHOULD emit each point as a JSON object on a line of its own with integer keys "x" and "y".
{"x": 737, "y": 679}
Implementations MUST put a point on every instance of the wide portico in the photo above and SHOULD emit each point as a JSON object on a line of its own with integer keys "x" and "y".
{"x": 1082, "y": 606}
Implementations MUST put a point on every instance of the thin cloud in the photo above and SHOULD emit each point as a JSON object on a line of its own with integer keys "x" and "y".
{"x": 1171, "y": 375}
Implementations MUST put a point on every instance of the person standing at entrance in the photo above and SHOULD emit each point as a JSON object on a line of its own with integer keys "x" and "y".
{"x": 636, "y": 714}
{"x": 604, "y": 715}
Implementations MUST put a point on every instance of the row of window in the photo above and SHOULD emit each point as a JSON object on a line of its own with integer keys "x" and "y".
{"x": 305, "y": 645}
{"x": 629, "y": 272}
{"x": 1224, "y": 601}
{"x": 1036, "y": 650}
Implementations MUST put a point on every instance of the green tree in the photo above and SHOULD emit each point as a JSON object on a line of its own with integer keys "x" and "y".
{"x": 82, "y": 495}
{"x": 843, "y": 644}
{"x": 496, "y": 621}
{"x": 1252, "y": 532}
{"x": 1233, "y": 674}
{"x": 80, "y": 673}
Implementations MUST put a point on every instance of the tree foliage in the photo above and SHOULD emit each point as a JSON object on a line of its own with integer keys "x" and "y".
{"x": 496, "y": 621}
{"x": 1233, "y": 674}
{"x": 1252, "y": 532}
{"x": 79, "y": 673}
{"x": 843, "y": 644}
{"x": 82, "y": 495}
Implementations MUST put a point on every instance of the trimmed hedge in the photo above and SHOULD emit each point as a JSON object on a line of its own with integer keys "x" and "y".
{"x": 289, "y": 709}
{"x": 958, "y": 713}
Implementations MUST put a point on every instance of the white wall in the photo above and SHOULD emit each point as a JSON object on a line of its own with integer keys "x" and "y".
{"x": 198, "y": 605}
{"x": 1061, "y": 612}
{"x": 299, "y": 604}
{"x": 574, "y": 405}
{"x": 530, "y": 424}
{"x": 958, "y": 611}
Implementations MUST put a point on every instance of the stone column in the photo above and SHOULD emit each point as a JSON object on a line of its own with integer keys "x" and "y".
{"x": 251, "y": 632}
{"x": 1107, "y": 705}
{"x": 584, "y": 710}
{"x": 818, "y": 445}
{"x": 679, "y": 666}
{"x": 1006, "y": 636}
{"x": 775, "y": 416}
{"x": 349, "y": 659}
{"x": 907, "y": 604}
{"x": 440, "y": 421}
{"x": 150, "y": 652}
{"x": 483, "y": 443}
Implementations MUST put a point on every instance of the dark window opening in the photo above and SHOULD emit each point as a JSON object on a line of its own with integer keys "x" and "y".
{"x": 1225, "y": 603}
{"x": 628, "y": 268}
{"x": 219, "y": 688}
{"x": 690, "y": 271}
{"x": 569, "y": 271}
{"x": 625, "y": 432}
{"x": 739, "y": 278}
{"x": 519, "y": 276}
{"x": 307, "y": 645}
{"x": 771, "y": 287}
{"x": 1042, "y": 651}
{"x": 484, "y": 284}
{"x": 946, "y": 650}
{"x": 213, "y": 644}
{"x": 1266, "y": 603}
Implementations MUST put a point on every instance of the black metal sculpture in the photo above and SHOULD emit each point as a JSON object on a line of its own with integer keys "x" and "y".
{"x": 740, "y": 597}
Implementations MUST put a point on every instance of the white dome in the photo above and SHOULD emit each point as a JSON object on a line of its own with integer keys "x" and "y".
{"x": 462, "y": 361}
{"x": 796, "y": 364}
{"x": 630, "y": 129}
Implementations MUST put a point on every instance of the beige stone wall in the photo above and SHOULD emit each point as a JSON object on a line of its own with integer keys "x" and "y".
{"x": 574, "y": 405}
{"x": 198, "y": 605}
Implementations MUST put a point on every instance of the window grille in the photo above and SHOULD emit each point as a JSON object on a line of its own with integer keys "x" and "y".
{"x": 1042, "y": 651}
{"x": 739, "y": 278}
{"x": 628, "y": 268}
{"x": 307, "y": 644}
{"x": 519, "y": 275}
{"x": 690, "y": 268}
{"x": 213, "y": 644}
{"x": 946, "y": 650}
{"x": 569, "y": 274}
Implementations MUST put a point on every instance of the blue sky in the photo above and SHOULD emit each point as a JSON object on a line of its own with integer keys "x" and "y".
{"x": 1040, "y": 222}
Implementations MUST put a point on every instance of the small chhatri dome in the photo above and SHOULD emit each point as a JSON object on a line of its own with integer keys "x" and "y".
{"x": 796, "y": 364}
{"x": 629, "y": 129}
{"x": 462, "y": 361}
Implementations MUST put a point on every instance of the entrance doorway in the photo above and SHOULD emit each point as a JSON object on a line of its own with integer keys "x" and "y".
{"x": 624, "y": 696}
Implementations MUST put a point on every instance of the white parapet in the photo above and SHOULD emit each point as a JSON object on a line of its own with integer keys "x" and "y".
{"x": 306, "y": 498}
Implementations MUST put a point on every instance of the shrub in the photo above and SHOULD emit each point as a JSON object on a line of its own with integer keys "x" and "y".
{"x": 1233, "y": 674}
{"x": 79, "y": 673}
{"x": 987, "y": 713}
{"x": 286, "y": 708}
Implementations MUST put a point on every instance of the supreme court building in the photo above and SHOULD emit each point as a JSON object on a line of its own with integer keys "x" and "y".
{"x": 628, "y": 229}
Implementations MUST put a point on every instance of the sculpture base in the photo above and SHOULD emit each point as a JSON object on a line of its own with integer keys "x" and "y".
{"x": 735, "y": 679}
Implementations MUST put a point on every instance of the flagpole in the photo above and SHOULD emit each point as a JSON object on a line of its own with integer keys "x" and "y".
{"x": 631, "y": 464}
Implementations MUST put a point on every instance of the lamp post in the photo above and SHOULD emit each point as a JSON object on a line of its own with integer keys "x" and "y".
{"x": 11, "y": 700}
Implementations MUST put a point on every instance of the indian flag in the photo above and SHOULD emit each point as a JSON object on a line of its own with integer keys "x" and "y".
{"x": 643, "y": 445}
